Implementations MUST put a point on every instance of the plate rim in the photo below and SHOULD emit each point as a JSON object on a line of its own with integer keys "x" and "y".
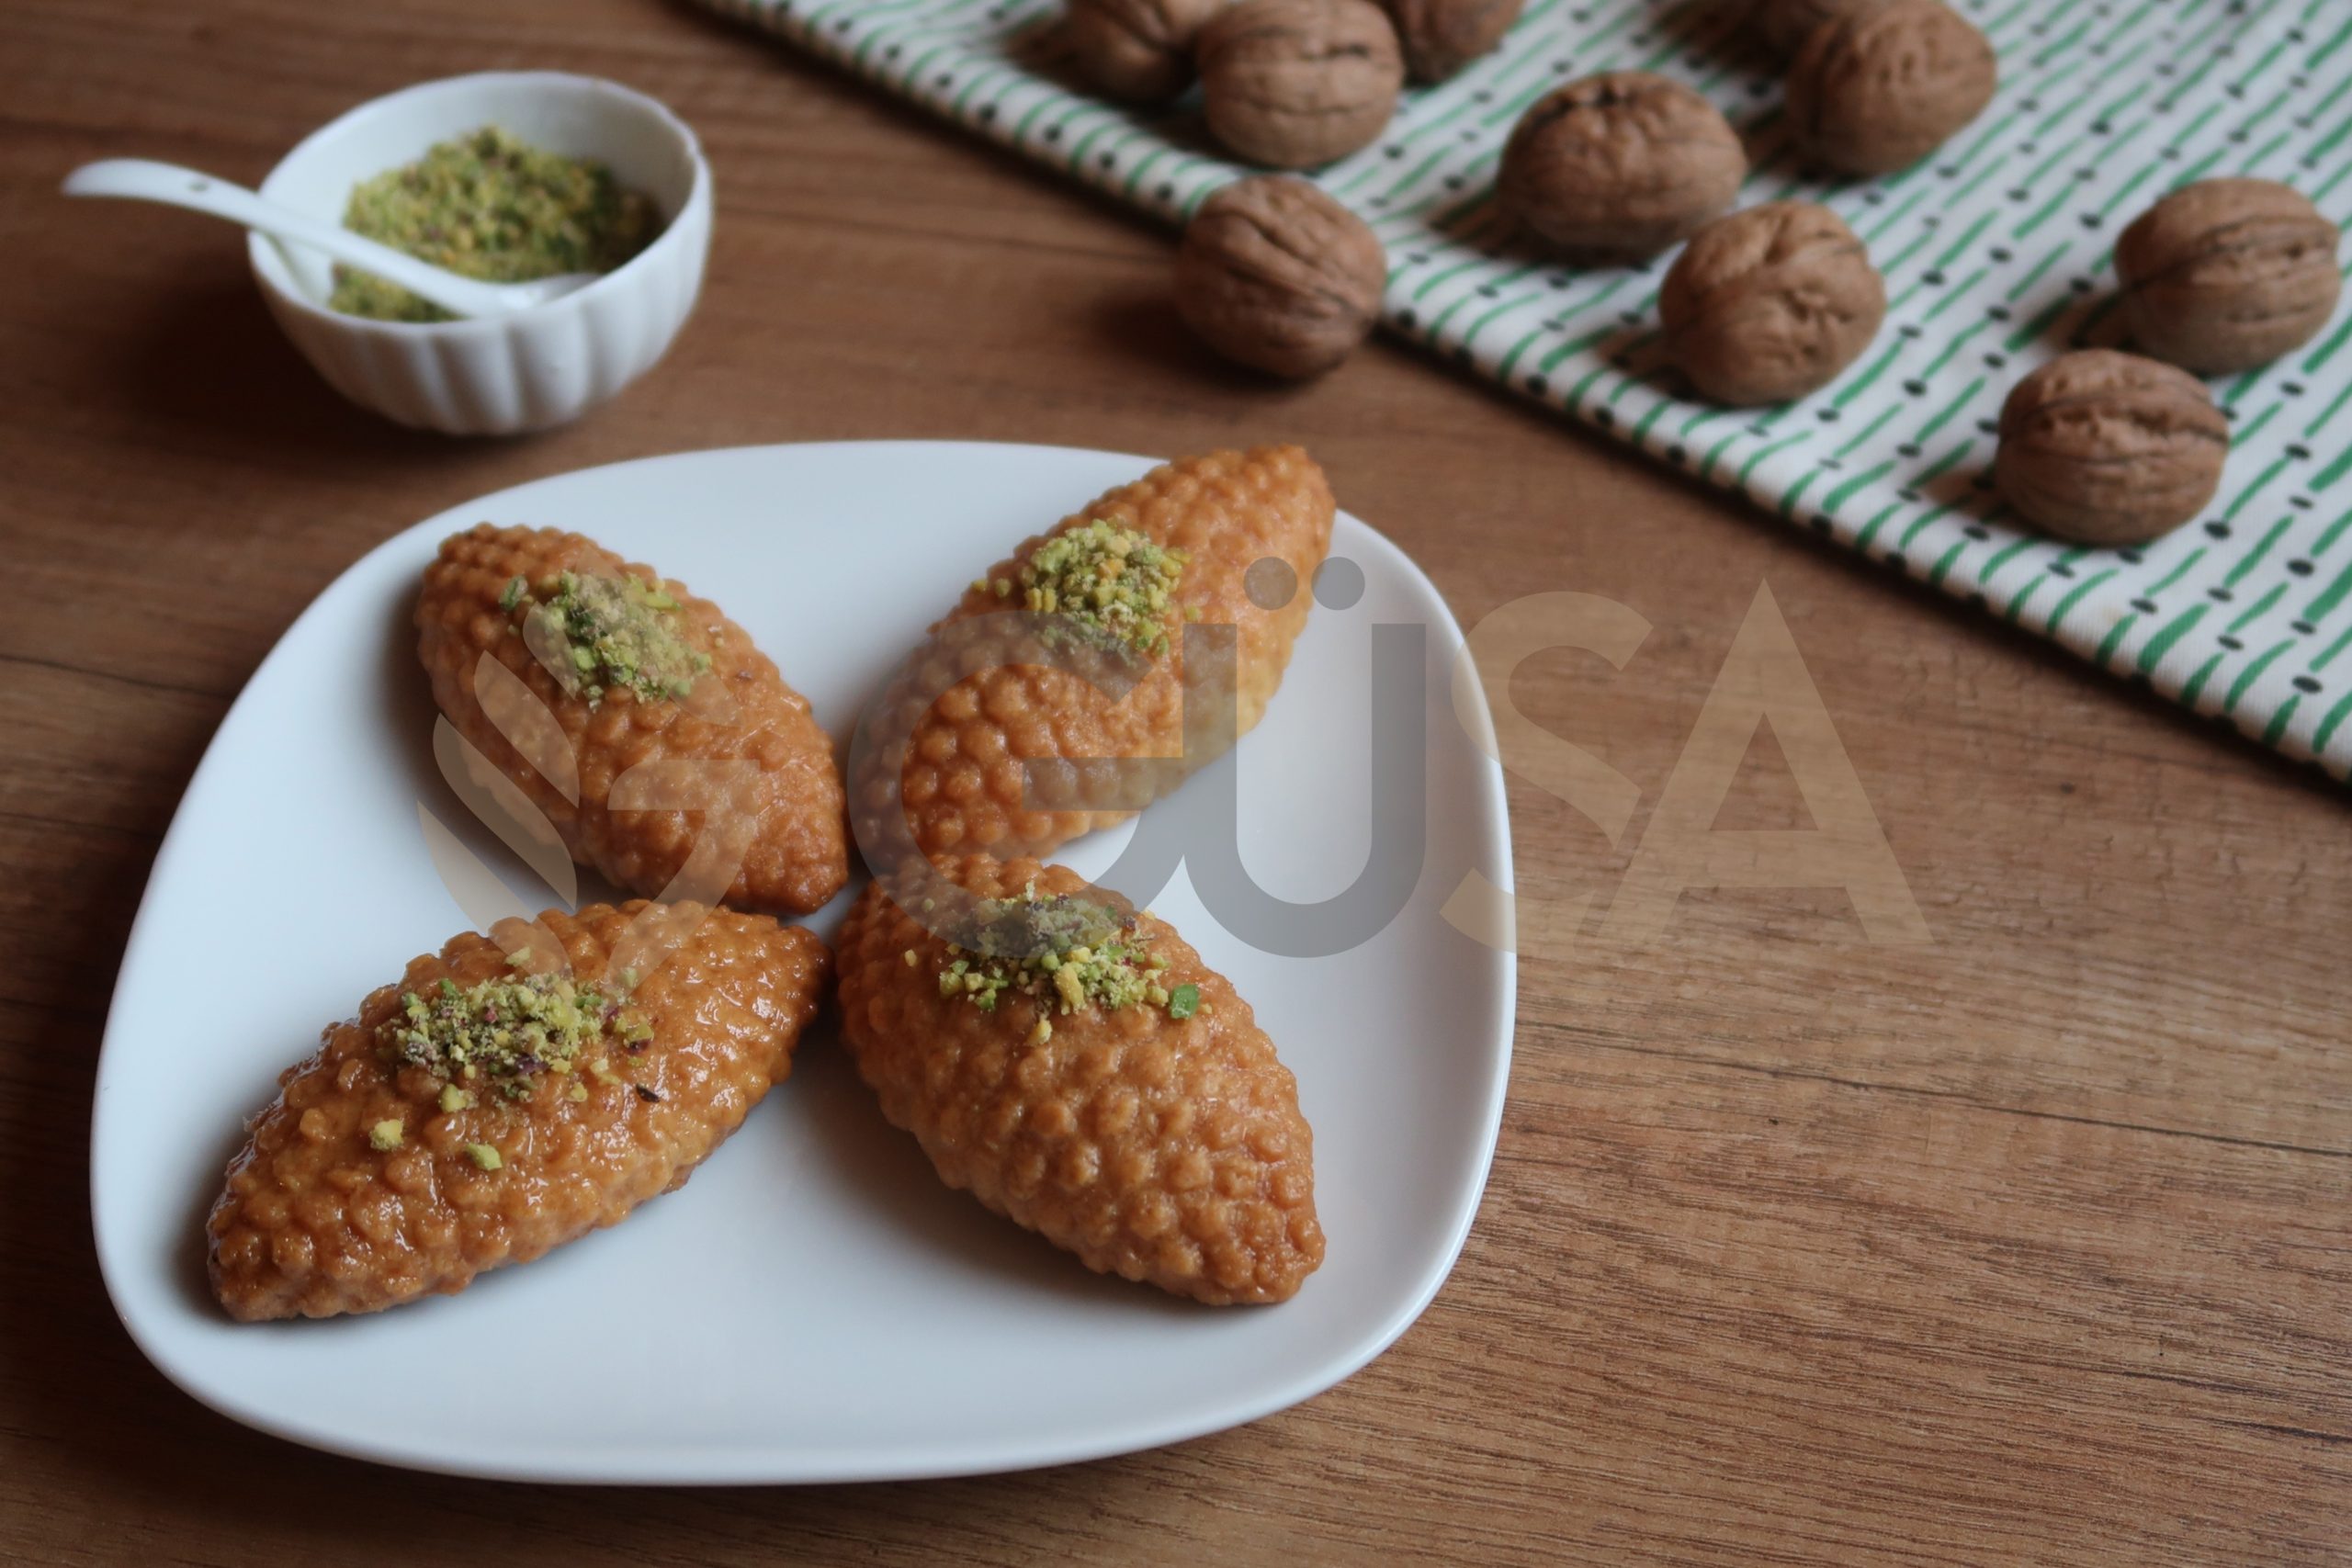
{"x": 695, "y": 1466}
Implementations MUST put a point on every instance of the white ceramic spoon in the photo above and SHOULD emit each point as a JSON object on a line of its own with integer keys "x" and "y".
{"x": 141, "y": 179}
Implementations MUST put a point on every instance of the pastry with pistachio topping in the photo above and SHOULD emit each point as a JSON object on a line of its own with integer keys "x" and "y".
{"x": 1052, "y": 699}
{"x": 506, "y": 1095}
{"x": 637, "y": 717}
{"x": 1072, "y": 1062}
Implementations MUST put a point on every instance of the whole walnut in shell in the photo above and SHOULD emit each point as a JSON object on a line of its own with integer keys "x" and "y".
{"x": 1782, "y": 26}
{"x": 1292, "y": 83}
{"x": 1140, "y": 50}
{"x": 2226, "y": 275}
{"x": 1618, "y": 167}
{"x": 1878, "y": 88}
{"x": 2109, "y": 448}
{"x": 1440, "y": 37}
{"x": 1277, "y": 274}
{"x": 1769, "y": 304}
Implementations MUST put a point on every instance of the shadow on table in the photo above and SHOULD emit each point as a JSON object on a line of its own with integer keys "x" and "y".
{"x": 202, "y": 363}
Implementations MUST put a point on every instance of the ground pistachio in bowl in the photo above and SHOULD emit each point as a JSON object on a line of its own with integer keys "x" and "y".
{"x": 490, "y": 206}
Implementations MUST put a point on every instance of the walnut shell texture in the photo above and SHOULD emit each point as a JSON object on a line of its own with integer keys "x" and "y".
{"x": 1769, "y": 304}
{"x": 1294, "y": 83}
{"x": 1165, "y": 1150}
{"x": 2226, "y": 275}
{"x": 1877, "y": 89}
{"x": 1276, "y": 275}
{"x": 1783, "y": 26}
{"x": 2109, "y": 448}
{"x": 1440, "y": 37}
{"x": 1618, "y": 167}
{"x": 1137, "y": 50}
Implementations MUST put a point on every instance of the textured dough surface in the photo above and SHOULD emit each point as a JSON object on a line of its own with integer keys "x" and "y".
{"x": 791, "y": 808}
{"x": 315, "y": 1221}
{"x": 1159, "y": 1149}
{"x": 963, "y": 779}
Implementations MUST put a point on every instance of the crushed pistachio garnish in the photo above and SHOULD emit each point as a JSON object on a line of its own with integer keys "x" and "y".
{"x": 485, "y": 1156}
{"x": 489, "y": 205}
{"x": 385, "y": 1135}
{"x": 507, "y": 1032}
{"x": 608, "y": 633}
{"x": 1112, "y": 586}
{"x": 1060, "y": 951}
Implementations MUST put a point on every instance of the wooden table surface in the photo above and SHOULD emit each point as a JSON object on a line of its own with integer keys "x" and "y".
{"x": 2029, "y": 1244}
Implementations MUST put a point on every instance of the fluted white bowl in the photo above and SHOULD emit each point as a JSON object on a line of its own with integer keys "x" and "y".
{"x": 528, "y": 369}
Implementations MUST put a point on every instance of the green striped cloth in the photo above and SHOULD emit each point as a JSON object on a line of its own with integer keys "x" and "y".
{"x": 1996, "y": 255}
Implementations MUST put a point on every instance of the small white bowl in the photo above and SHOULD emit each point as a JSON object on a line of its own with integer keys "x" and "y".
{"x": 533, "y": 368}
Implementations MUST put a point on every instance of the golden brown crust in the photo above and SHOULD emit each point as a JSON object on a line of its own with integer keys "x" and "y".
{"x": 315, "y": 1221}
{"x": 792, "y": 806}
{"x": 1160, "y": 1149}
{"x": 962, "y": 783}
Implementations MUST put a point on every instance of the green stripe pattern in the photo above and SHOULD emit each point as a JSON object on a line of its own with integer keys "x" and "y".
{"x": 1996, "y": 251}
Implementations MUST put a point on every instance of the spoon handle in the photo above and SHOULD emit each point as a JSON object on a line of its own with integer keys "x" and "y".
{"x": 142, "y": 179}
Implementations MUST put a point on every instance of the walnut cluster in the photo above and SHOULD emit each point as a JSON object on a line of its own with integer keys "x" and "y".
{"x": 2226, "y": 275}
{"x": 2109, "y": 448}
{"x": 1276, "y": 275}
{"x": 1764, "y": 306}
{"x": 1617, "y": 167}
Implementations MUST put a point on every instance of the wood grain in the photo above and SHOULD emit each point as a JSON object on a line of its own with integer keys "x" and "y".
{"x": 2030, "y": 1245}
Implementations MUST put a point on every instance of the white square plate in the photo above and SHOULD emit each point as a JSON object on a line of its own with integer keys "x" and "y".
{"x": 816, "y": 1305}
